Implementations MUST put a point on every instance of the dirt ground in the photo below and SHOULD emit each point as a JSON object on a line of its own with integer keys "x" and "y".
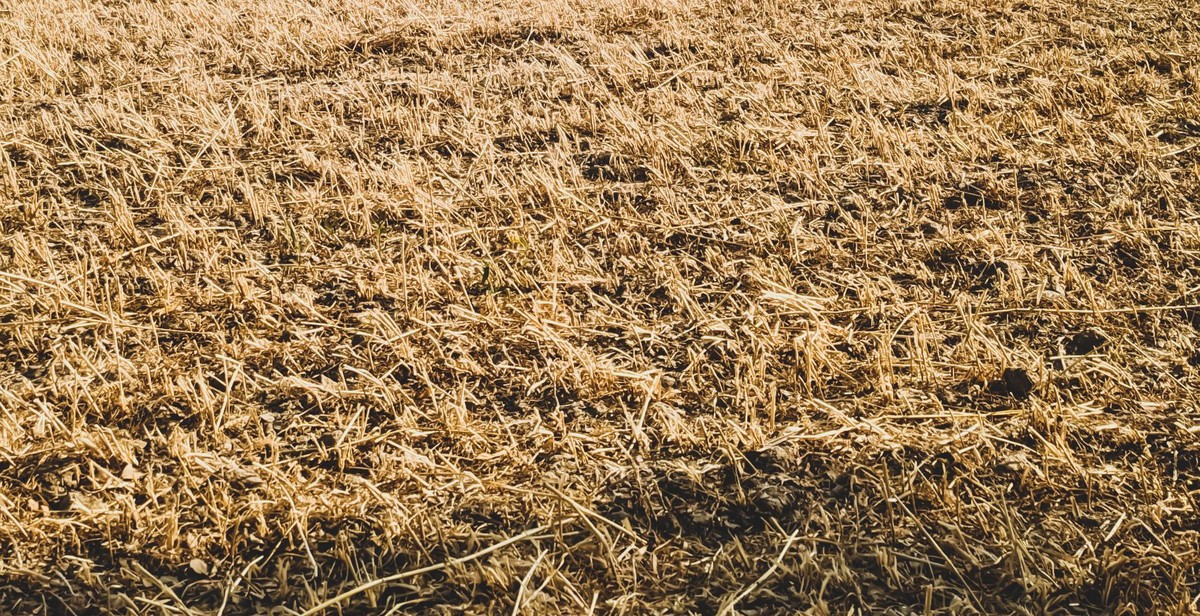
{"x": 615, "y": 307}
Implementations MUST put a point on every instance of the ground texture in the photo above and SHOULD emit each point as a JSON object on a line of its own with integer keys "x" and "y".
{"x": 617, "y": 307}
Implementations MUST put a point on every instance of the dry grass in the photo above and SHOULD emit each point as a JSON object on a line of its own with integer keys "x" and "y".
{"x": 614, "y": 307}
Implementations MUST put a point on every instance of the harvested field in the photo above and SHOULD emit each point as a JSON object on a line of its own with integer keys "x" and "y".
{"x": 616, "y": 307}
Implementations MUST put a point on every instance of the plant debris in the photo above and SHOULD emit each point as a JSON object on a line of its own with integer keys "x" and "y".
{"x": 867, "y": 306}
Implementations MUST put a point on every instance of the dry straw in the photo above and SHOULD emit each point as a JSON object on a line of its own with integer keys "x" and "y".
{"x": 625, "y": 307}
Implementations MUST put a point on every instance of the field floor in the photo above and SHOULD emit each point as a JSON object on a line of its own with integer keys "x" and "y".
{"x": 615, "y": 307}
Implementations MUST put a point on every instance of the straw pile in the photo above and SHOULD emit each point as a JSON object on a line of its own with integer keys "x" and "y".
{"x": 364, "y": 306}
